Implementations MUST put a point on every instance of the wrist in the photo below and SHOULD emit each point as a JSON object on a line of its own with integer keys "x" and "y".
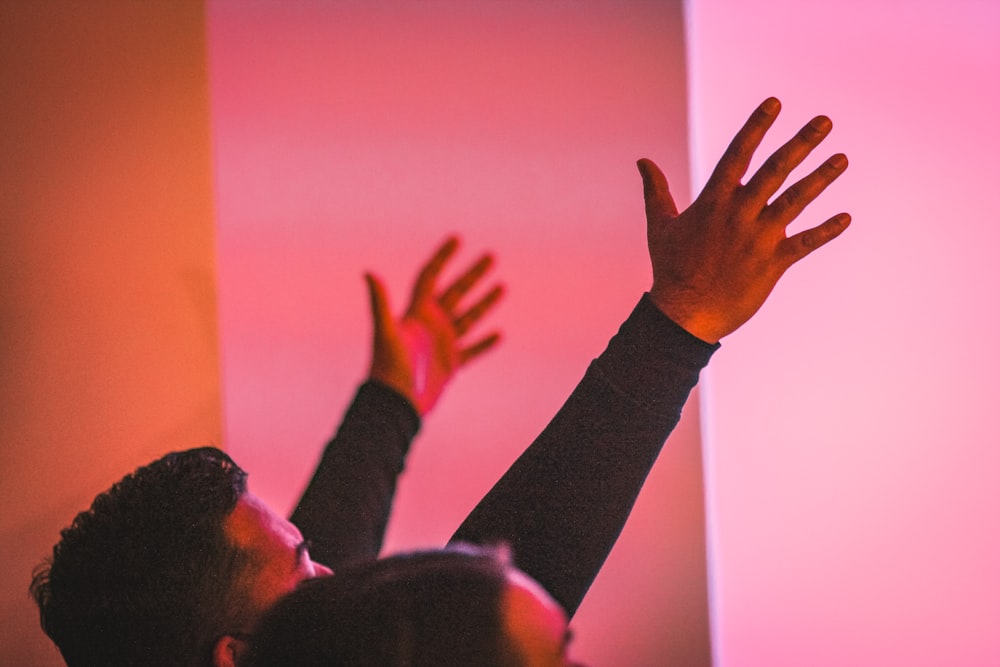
{"x": 698, "y": 322}
{"x": 401, "y": 386}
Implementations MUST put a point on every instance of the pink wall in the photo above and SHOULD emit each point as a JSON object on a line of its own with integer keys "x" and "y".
{"x": 354, "y": 136}
{"x": 853, "y": 457}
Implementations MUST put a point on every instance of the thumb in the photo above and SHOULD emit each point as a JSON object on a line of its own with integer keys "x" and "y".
{"x": 381, "y": 315}
{"x": 655, "y": 190}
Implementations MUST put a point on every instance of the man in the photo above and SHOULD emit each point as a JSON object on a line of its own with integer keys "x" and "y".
{"x": 177, "y": 560}
{"x": 562, "y": 505}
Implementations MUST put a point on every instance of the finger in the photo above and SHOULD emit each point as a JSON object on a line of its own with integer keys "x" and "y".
{"x": 775, "y": 170}
{"x": 656, "y": 190}
{"x": 381, "y": 314}
{"x": 451, "y": 296}
{"x": 483, "y": 345}
{"x": 466, "y": 321}
{"x": 792, "y": 201}
{"x": 424, "y": 287}
{"x": 736, "y": 160}
{"x": 798, "y": 246}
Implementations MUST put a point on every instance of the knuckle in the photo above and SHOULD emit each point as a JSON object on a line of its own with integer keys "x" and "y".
{"x": 774, "y": 166}
{"x": 790, "y": 199}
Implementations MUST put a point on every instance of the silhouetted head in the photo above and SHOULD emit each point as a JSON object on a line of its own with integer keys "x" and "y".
{"x": 450, "y": 608}
{"x": 168, "y": 567}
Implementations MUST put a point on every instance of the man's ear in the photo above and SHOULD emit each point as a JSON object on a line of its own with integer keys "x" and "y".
{"x": 229, "y": 651}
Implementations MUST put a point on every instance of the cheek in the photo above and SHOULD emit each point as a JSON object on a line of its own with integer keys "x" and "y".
{"x": 536, "y": 631}
{"x": 268, "y": 587}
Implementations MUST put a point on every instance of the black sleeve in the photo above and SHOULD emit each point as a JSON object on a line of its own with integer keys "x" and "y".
{"x": 345, "y": 508}
{"x": 564, "y": 502}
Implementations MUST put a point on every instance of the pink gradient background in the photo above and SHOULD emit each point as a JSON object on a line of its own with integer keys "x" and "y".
{"x": 853, "y": 457}
{"x": 355, "y": 136}
{"x": 852, "y": 461}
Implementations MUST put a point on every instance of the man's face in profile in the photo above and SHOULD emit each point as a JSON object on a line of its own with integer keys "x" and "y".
{"x": 279, "y": 555}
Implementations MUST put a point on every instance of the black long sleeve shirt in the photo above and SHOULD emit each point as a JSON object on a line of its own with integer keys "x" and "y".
{"x": 562, "y": 505}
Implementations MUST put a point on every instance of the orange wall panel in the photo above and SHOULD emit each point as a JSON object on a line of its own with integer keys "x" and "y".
{"x": 107, "y": 270}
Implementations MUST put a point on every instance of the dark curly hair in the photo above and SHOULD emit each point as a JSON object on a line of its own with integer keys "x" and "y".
{"x": 146, "y": 576}
{"x": 425, "y": 609}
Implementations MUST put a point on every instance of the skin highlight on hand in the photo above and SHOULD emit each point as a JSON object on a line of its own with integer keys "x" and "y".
{"x": 419, "y": 353}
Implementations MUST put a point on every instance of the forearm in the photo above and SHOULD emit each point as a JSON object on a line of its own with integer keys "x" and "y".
{"x": 564, "y": 502}
{"x": 345, "y": 508}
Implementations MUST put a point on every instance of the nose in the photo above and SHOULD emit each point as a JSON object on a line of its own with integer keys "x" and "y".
{"x": 321, "y": 570}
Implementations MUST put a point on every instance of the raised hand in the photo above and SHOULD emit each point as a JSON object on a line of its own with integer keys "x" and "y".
{"x": 418, "y": 354}
{"x": 715, "y": 264}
